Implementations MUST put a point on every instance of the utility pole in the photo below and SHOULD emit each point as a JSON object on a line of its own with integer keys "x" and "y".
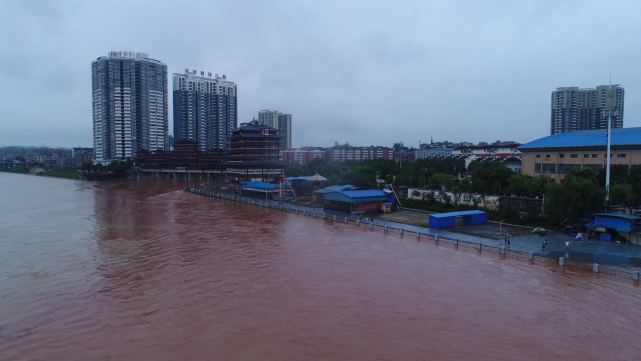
{"x": 607, "y": 160}
{"x": 607, "y": 156}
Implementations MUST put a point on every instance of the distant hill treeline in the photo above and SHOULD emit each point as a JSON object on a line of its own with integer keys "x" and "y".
{"x": 20, "y": 148}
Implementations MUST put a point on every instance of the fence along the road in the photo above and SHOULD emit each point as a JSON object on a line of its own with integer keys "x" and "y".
{"x": 343, "y": 218}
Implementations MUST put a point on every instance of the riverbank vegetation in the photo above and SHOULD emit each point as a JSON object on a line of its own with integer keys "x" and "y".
{"x": 118, "y": 168}
{"x": 20, "y": 170}
{"x": 581, "y": 192}
{"x": 61, "y": 173}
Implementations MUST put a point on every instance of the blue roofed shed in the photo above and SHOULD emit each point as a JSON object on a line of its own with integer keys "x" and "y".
{"x": 619, "y": 222}
{"x": 355, "y": 201}
{"x": 257, "y": 189}
{"x": 446, "y": 220}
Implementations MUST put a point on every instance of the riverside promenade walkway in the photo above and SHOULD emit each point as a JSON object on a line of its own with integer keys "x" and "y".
{"x": 604, "y": 257}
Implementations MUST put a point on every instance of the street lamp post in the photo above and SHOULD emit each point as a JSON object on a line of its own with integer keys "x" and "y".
{"x": 500, "y": 231}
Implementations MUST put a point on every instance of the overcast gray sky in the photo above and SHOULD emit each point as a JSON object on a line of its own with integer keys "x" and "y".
{"x": 370, "y": 73}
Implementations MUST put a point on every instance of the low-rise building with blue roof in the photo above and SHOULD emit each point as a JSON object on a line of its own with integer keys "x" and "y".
{"x": 357, "y": 201}
{"x": 447, "y": 220}
{"x": 614, "y": 226}
{"x": 556, "y": 155}
{"x": 257, "y": 189}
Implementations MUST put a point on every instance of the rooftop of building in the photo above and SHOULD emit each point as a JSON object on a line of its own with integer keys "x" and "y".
{"x": 258, "y": 185}
{"x": 619, "y": 215}
{"x": 490, "y": 146}
{"x": 587, "y": 138}
{"x": 255, "y": 126}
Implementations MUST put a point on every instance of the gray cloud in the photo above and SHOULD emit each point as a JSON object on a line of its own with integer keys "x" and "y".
{"x": 353, "y": 71}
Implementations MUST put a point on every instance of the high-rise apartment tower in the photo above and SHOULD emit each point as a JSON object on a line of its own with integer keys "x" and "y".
{"x": 130, "y": 105}
{"x": 586, "y": 109}
{"x": 204, "y": 109}
{"x": 280, "y": 121}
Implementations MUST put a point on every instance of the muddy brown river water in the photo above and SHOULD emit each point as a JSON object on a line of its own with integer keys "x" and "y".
{"x": 145, "y": 271}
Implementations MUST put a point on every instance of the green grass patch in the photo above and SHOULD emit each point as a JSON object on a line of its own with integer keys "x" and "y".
{"x": 62, "y": 173}
{"x": 21, "y": 170}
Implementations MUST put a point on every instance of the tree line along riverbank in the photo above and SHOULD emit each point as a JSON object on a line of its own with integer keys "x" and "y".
{"x": 582, "y": 191}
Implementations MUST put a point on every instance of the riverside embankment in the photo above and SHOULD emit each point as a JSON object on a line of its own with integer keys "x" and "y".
{"x": 606, "y": 259}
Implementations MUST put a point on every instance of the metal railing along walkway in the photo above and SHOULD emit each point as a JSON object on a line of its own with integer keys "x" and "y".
{"x": 421, "y": 233}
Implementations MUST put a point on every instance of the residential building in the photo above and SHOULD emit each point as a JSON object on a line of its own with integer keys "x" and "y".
{"x": 341, "y": 153}
{"x": 303, "y": 155}
{"x": 432, "y": 151}
{"x": 205, "y": 109}
{"x": 285, "y": 130}
{"x": 488, "y": 151}
{"x": 556, "y": 155}
{"x": 280, "y": 121}
{"x": 574, "y": 108}
{"x": 254, "y": 154}
{"x": 82, "y": 155}
{"x": 130, "y": 105}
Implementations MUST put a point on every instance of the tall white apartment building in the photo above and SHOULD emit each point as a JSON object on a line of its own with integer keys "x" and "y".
{"x": 204, "y": 109}
{"x": 280, "y": 121}
{"x": 574, "y": 108}
{"x": 130, "y": 105}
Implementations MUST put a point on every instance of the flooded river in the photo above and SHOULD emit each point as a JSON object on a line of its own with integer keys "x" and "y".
{"x": 145, "y": 271}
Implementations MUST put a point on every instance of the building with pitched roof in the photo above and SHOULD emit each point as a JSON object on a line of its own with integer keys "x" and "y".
{"x": 254, "y": 154}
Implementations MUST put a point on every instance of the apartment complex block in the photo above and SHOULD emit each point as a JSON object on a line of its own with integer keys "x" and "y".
{"x": 574, "y": 108}
{"x": 341, "y": 153}
{"x": 280, "y": 121}
{"x": 303, "y": 155}
{"x": 432, "y": 151}
{"x": 205, "y": 109}
{"x": 556, "y": 155}
{"x": 488, "y": 151}
{"x": 130, "y": 105}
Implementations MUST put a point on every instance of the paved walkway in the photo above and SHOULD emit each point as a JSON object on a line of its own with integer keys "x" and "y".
{"x": 602, "y": 252}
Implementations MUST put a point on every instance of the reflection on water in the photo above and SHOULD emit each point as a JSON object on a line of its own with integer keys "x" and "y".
{"x": 142, "y": 270}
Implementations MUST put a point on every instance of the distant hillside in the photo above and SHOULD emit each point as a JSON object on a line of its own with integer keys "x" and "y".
{"x": 20, "y": 148}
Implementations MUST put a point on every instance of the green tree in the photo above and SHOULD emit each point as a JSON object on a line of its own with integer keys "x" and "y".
{"x": 496, "y": 188}
{"x": 440, "y": 180}
{"x": 635, "y": 181}
{"x": 295, "y": 170}
{"x": 578, "y": 194}
{"x": 523, "y": 185}
{"x": 466, "y": 185}
{"x": 622, "y": 194}
{"x": 86, "y": 166}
